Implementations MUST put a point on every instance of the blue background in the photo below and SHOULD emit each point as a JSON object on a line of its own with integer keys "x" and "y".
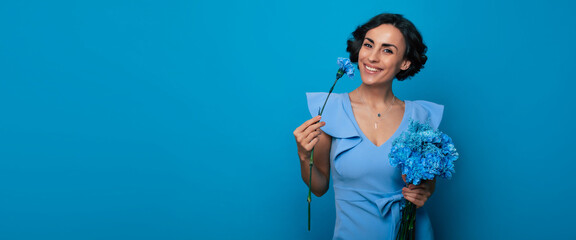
{"x": 174, "y": 119}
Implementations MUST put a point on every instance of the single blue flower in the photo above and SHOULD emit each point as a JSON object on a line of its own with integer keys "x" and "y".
{"x": 345, "y": 67}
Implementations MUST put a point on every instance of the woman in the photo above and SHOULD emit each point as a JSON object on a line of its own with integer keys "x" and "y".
{"x": 353, "y": 141}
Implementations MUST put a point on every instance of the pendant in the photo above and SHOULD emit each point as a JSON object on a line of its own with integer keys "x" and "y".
{"x": 379, "y": 115}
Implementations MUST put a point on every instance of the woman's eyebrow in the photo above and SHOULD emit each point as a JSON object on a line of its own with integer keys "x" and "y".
{"x": 383, "y": 44}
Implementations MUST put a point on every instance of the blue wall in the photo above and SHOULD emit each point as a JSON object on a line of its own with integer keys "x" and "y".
{"x": 173, "y": 120}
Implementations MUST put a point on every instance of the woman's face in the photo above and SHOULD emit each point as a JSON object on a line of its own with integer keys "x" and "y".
{"x": 382, "y": 55}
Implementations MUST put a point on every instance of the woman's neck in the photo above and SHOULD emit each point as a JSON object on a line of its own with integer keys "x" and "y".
{"x": 376, "y": 96}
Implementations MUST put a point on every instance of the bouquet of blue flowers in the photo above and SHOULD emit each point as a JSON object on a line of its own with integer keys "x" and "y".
{"x": 422, "y": 153}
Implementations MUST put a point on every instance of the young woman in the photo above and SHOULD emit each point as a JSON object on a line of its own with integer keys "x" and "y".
{"x": 354, "y": 137}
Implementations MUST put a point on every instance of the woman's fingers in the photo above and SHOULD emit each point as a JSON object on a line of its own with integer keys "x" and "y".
{"x": 417, "y": 191}
{"x": 311, "y": 145}
{"x": 418, "y": 195}
{"x": 311, "y": 140}
{"x": 304, "y": 130}
{"x": 306, "y": 124}
{"x": 312, "y": 135}
{"x": 314, "y": 129}
{"x": 307, "y": 133}
{"x": 422, "y": 186}
{"x": 418, "y": 202}
{"x": 308, "y": 130}
{"x": 415, "y": 198}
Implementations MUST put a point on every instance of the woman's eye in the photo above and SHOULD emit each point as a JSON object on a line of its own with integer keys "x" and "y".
{"x": 367, "y": 45}
{"x": 388, "y": 50}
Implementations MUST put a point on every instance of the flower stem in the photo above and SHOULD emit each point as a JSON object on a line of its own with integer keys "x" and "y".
{"x": 407, "y": 230}
{"x": 310, "y": 186}
{"x": 331, "y": 89}
{"x": 339, "y": 74}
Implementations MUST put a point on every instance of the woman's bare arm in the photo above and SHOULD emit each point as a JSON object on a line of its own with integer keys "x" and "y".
{"x": 309, "y": 136}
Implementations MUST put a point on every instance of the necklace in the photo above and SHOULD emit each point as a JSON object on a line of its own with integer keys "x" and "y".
{"x": 379, "y": 116}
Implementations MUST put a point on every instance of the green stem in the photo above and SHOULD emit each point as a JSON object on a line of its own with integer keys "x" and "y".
{"x": 329, "y": 92}
{"x": 339, "y": 74}
{"x": 310, "y": 186}
{"x": 407, "y": 229}
{"x": 411, "y": 221}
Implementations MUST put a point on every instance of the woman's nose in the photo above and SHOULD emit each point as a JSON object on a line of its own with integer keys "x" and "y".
{"x": 373, "y": 56}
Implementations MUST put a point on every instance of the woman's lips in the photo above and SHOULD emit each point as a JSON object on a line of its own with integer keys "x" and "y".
{"x": 372, "y": 69}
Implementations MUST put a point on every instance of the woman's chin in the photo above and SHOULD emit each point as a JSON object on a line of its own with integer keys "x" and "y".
{"x": 375, "y": 82}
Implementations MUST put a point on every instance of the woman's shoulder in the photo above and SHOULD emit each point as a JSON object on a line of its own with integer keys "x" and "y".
{"x": 316, "y": 102}
{"x": 334, "y": 97}
{"x": 423, "y": 111}
{"x": 336, "y": 113}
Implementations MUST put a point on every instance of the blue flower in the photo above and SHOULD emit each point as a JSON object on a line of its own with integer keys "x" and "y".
{"x": 346, "y": 66}
{"x": 422, "y": 153}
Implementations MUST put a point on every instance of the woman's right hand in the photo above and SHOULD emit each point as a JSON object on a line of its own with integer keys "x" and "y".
{"x": 307, "y": 136}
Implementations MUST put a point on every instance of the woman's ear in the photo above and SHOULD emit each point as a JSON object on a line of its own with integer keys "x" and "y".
{"x": 405, "y": 65}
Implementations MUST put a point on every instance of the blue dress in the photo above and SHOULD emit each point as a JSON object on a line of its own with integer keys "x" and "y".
{"x": 368, "y": 190}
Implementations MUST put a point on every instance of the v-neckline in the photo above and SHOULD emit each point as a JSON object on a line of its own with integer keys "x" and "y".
{"x": 407, "y": 106}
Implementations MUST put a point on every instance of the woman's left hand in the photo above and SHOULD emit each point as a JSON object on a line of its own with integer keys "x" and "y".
{"x": 419, "y": 194}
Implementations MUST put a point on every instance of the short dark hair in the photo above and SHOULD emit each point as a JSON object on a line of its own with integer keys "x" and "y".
{"x": 415, "y": 47}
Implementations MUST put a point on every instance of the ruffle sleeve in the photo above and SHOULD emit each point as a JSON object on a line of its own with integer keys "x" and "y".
{"x": 424, "y": 111}
{"x": 339, "y": 122}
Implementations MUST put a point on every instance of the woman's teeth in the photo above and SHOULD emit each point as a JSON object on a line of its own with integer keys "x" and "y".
{"x": 371, "y": 69}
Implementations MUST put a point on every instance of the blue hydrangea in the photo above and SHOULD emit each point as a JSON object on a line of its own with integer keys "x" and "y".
{"x": 423, "y": 153}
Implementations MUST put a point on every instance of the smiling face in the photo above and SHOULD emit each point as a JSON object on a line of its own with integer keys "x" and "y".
{"x": 382, "y": 55}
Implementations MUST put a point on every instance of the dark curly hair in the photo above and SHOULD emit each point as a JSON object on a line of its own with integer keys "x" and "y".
{"x": 415, "y": 47}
